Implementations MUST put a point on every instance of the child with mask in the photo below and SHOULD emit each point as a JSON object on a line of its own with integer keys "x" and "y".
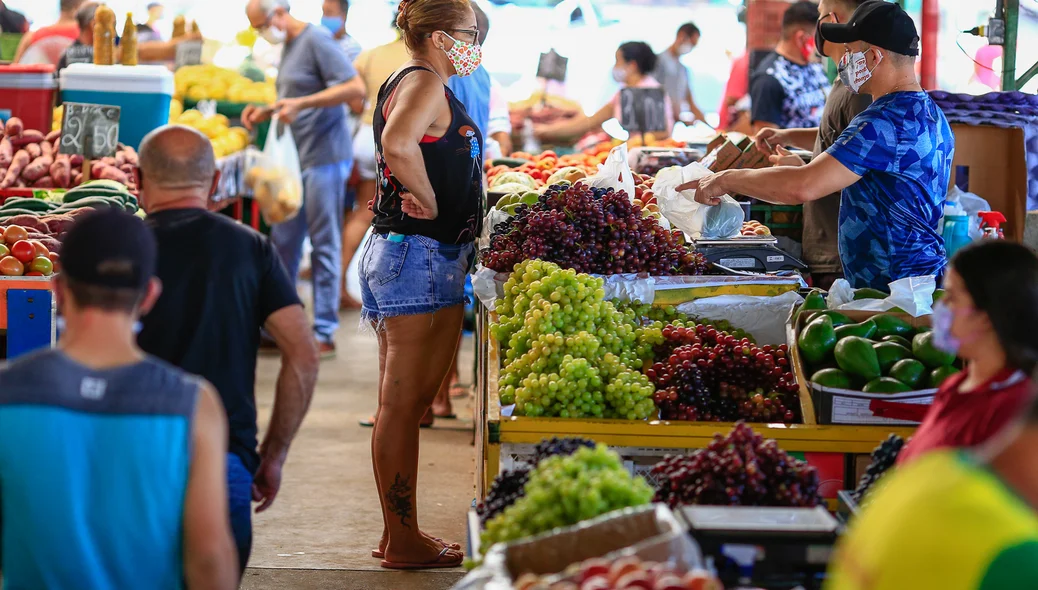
{"x": 989, "y": 318}
{"x": 635, "y": 62}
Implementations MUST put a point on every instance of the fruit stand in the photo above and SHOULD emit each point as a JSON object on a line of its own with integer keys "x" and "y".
{"x": 27, "y": 315}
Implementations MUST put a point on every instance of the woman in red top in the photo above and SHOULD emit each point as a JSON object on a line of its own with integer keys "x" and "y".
{"x": 989, "y": 317}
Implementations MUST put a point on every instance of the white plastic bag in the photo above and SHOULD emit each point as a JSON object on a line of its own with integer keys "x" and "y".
{"x": 353, "y": 270}
{"x": 614, "y": 173}
{"x": 763, "y": 317}
{"x": 681, "y": 209}
{"x": 969, "y": 204}
{"x": 914, "y": 295}
{"x": 277, "y": 179}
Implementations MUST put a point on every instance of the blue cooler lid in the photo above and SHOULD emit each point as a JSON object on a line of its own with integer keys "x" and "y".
{"x": 122, "y": 79}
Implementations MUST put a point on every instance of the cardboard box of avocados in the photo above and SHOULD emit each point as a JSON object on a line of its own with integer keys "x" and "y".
{"x": 839, "y": 405}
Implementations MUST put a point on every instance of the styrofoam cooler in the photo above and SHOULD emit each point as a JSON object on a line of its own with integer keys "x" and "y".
{"x": 142, "y": 92}
{"x": 27, "y": 91}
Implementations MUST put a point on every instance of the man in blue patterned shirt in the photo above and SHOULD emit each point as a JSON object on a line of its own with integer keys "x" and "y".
{"x": 893, "y": 163}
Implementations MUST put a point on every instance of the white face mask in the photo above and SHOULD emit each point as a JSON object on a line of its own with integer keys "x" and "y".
{"x": 619, "y": 75}
{"x": 854, "y": 69}
{"x": 273, "y": 35}
{"x": 685, "y": 48}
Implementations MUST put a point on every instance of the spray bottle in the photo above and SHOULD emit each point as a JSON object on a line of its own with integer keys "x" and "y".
{"x": 990, "y": 223}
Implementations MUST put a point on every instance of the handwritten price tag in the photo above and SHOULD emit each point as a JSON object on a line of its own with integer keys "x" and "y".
{"x": 91, "y": 130}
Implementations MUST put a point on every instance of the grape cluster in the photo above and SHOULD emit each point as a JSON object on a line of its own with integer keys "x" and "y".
{"x": 598, "y": 231}
{"x": 883, "y": 458}
{"x": 741, "y": 469}
{"x": 704, "y": 374}
{"x": 559, "y": 446}
{"x": 564, "y": 490}
{"x": 566, "y": 351}
{"x": 504, "y": 491}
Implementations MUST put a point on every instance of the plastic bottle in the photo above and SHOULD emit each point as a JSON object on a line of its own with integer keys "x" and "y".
{"x": 990, "y": 224}
{"x": 956, "y": 228}
{"x": 128, "y": 43}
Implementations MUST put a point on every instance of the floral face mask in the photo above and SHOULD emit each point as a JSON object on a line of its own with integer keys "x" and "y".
{"x": 465, "y": 57}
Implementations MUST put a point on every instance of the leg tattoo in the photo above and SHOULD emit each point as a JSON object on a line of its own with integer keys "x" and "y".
{"x": 398, "y": 499}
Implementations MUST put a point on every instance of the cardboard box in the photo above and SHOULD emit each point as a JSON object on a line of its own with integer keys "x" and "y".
{"x": 725, "y": 156}
{"x": 751, "y": 158}
{"x": 994, "y": 161}
{"x": 716, "y": 142}
{"x": 845, "y": 406}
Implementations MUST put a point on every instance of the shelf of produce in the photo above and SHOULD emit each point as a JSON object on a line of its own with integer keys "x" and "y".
{"x": 27, "y": 314}
{"x": 499, "y": 437}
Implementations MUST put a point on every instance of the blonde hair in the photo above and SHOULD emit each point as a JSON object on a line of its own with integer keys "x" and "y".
{"x": 417, "y": 19}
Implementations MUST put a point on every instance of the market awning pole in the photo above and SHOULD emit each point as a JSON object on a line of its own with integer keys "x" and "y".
{"x": 928, "y": 65}
{"x": 1012, "y": 11}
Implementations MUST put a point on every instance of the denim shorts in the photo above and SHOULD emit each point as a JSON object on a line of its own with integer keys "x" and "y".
{"x": 410, "y": 275}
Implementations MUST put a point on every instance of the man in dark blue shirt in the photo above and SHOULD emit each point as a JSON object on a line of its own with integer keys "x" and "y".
{"x": 893, "y": 163}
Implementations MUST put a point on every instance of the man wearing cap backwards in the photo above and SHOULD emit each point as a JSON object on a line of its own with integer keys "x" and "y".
{"x": 893, "y": 162}
{"x": 111, "y": 461}
{"x": 224, "y": 282}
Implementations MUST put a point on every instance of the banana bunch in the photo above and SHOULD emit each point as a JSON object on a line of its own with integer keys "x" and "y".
{"x": 226, "y": 140}
{"x": 208, "y": 82}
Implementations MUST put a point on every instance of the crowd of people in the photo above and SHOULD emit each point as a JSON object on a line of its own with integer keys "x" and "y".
{"x": 167, "y": 494}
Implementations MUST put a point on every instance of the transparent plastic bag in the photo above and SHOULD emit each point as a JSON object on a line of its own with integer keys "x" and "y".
{"x": 276, "y": 178}
{"x": 717, "y": 222}
{"x": 914, "y": 295}
{"x": 614, "y": 173}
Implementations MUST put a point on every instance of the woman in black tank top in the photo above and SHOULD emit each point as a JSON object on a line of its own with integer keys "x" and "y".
{"x": 428, "y": 212}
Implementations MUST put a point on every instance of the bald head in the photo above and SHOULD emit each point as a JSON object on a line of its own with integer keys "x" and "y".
{"x": 177, "y": 159}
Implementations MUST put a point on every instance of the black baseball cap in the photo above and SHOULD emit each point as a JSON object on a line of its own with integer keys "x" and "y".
{"x": 879, "y": 23}
{"x": 109, "y": 248}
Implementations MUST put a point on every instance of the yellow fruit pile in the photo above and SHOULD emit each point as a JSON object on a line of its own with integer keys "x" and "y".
{"x": 59, "y": 114}
{"x": 226, "y": 140}
{"x": 208, "y": 82}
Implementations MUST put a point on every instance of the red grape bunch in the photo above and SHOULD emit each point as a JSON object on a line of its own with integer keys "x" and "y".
{"x": 594, "y": 231}
{"x": 704, "y": 374}
{"x": 741, "y": 469}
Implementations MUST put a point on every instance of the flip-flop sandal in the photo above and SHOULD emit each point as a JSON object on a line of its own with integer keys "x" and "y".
{"x": 455, "y": 546}
{"x": 434, "y": 564}
{"x": 369, "y": 423}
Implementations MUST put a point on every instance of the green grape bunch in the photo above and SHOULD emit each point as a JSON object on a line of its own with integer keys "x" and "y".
{"x": 566, "y": 489}
{"x": 567, "y": 352}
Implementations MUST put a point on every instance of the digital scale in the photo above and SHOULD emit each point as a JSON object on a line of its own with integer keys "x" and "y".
{"x": 759, "y": 254}
{"x": 774, "y": 548}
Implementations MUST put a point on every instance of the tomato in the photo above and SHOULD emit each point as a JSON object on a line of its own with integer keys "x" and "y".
{"x": 11, "y": 266}
{"x": 2, "y": 235}
{"x": 4, "y": 250}
{"x": 54, "y": 258}
{"x": 547, "y": 154}
{"x": 14, "y": 233}
{"x": 42, "y": 265}
{"x": 24, "y": 251}
{"x": 41, "y": 250}
{"x": 33, "y": 273}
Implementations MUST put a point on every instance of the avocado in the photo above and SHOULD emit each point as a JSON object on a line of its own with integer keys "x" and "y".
{"x": 924, "y": 350}
{"x": 898, "y": 340}
{"x": 838, "y": 318}
{"x": 909, "y": 371}
{"x": 817, "y": 340}
{"x": 939, "y": 375}
{"x": 814, "y": 300}
{"x": 885, "y": 385}
{"x": 867, "y": 293}
{"x": 832, "y": 378}
{"x": 889, "y": 353}
{"x": 888, "y": 325}
{"x": 856, "y": 356}
{"x": 863, "y": 330}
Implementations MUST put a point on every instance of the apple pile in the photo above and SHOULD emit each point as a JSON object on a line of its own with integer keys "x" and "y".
{"x": 754, "y": 229}
{"x": 23, "y": 257}
{"x": 627, "y": 573}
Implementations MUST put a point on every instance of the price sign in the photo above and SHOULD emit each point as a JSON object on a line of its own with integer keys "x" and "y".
{"x": 91, "y": 130}
{"x": 552, "y": 66}
{"x": 189, "y": 53}
{"x": 643, "y": 109}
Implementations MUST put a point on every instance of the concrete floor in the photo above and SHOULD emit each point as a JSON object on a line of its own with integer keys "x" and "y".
{"x": 326, "y": 519}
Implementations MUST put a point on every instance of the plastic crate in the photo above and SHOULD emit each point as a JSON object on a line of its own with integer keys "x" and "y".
{"x": 783, "y": 220}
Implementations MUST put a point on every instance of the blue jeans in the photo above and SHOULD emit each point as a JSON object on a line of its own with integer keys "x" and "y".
{"x": 322, "y": 215}
{"x": 239, "y": 494}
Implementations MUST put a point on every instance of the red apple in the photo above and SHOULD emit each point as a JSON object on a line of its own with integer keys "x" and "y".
{"x": 623, "y": 566}
{"x": 636, "y": 580}
{"x": 594, "y": 567}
